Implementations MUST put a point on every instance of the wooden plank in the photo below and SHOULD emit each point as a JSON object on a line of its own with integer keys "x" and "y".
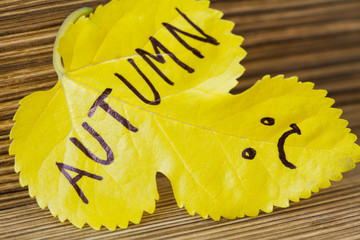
{"x": 315, "y": 40}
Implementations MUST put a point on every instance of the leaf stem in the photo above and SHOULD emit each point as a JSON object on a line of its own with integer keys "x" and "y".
{"x": 73, "y": 17}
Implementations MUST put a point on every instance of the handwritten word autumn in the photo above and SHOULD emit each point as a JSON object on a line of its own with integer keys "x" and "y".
{"x": 149, "y": 58}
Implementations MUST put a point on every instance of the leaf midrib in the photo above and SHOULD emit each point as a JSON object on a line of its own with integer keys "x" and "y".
{"x": 192, "y": 125}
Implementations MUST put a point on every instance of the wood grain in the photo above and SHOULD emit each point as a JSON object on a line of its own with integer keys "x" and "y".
{"x": 317, "y": 40}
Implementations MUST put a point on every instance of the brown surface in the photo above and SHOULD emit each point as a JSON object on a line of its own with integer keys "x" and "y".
{"x": 318, "y": 40}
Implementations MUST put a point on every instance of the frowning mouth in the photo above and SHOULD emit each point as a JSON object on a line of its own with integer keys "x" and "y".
{"x": 281, "y": 143}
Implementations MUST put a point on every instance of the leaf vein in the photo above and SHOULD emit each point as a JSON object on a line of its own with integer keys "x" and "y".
{"x": 185, "y": 166}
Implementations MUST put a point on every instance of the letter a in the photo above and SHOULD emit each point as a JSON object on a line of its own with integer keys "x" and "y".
{"x": 73, "y": 181}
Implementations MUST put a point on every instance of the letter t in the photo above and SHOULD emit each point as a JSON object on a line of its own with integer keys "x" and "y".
{"x": 99, "y": 102}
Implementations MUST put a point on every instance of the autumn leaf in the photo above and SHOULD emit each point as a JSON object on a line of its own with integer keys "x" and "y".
{"x": 144, "y": 89}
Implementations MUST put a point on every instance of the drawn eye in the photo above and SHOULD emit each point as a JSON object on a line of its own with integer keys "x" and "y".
{"x": 249, "y": 153}
{"x": 268, "y": 121}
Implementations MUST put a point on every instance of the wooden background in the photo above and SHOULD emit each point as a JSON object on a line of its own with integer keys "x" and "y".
{"x": 318, "y": 40}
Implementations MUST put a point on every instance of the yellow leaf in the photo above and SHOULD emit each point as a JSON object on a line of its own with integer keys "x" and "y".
{"x": 144, "y": 89}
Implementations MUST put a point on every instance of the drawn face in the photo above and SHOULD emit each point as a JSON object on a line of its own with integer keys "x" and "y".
{"x": 250, "y": 153}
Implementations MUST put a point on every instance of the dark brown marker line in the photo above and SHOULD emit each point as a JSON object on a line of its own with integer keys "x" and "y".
{"x": 88, "y": 153}
{"x": 99, "y": 102}
{"x": 249, "y": 153}
{"x": 268, "y": 121}
{"x": 174, "y": 31}
{"x": 73, "y": 181}
{"x": 135, "y": 91}
{"x": 281, "y": 143}
{"x": 157, "y": 46}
